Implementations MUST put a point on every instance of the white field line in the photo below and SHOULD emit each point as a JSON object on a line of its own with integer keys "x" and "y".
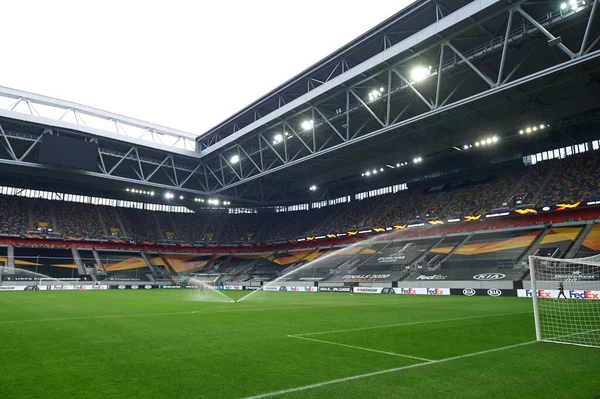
{"x": 376, "y": 373}
{"x": 362, "y": 348}
{"x": 412, "y": 323}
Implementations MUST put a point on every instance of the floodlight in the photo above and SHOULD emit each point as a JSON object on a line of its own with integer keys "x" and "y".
{"x": 235, "y": 159}
{"x": 313, "y": 188}
{"x": 181, "y": 197}
{"x": 494, "y": 139}
{"x": 307, "y": 125}
{"x": 466, "y": 147}
{"x": 534, "y": 128}
{"x": 477, "y": 144}
{"x": 374, "y": 171}
{"x": 420, "y": 73}
{"x": 397, "y": 165}
{"x": 381, "y": 169}
{"x": 169, "y": 195}
{"x": 528, "y": 130}
{"x": 521, "y": 131}
{"x": 542, "y": 126}
{"x": 489, "y": 141}
{"x": 367, "y": 173}
{"x": 278, "y": 138}
{"x": 152, "y": 193}
{"x": 127, "y": 190}
{"x": 563, "y": 6}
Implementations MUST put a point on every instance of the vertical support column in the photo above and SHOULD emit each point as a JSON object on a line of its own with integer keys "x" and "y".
{"x": 536, "y": 310}
{"x": 11, "y": 259}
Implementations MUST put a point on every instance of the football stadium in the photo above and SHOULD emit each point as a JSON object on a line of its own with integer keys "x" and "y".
{"x": 417, "y": 215}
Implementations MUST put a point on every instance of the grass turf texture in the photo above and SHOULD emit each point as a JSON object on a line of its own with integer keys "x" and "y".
{"x": 141, "y": 344}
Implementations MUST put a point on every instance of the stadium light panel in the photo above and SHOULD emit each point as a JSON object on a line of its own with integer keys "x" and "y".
{"x": 235, "y": 159}
{"x": 420, "y": 73}
{"x": 307, "y": 125}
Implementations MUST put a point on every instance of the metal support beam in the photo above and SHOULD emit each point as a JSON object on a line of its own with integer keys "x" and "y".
{"x": 549, "y": 35}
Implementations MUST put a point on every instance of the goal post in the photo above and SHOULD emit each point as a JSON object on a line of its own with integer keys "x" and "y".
{"x": 574, "y": 317}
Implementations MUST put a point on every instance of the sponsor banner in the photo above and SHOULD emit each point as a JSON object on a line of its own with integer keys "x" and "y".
{"x": 365, "y": 277}
{"x": 432, "y": 277}
{"x": 134, "y": 287}
{"x": 334, "y": 289}
{"x": 15, "y": 287}
{"x": 53, "y": 287}
{"x": 493, "y": 292}
{"x": 489, "y": 276}
{"x": 570, "y": 294}
{"x": 289, "y": 288}
{"x": 232, "y": 287}
{"x": 402, "y": 291}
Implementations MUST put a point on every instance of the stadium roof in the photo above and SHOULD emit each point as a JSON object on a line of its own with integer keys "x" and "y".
{"x": 423, "y": 84}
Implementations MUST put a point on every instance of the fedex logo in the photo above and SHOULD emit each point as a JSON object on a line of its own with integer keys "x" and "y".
{"x": 408, "y": 291}
{"x": 435, "y": 291}
{"x": 587, "y": 294}
{"x": 540, "y": 294}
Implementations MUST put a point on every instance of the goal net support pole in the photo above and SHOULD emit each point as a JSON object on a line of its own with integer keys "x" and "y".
{"x": 574, "y": 317}
{"x": 536, "y": 308}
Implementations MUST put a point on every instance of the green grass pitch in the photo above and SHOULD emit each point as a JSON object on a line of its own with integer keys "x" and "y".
{"x": 168, "y": 344}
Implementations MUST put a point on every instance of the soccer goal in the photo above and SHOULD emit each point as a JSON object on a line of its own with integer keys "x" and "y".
{"x": 572, "y": 317}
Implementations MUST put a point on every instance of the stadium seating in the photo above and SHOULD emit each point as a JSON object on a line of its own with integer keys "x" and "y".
{"x": 568, "y": 181}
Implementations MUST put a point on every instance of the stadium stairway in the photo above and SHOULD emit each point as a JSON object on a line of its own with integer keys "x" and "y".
{"x": 421, "y": 257}
{"x": 533, "y": 247}
{"x": 545, "y": 183}
{"x": 102, "y": 222}
{"x": 437, "y": 265}
{"x": 149, "y": 264}
{"x": 80, "y": 267}
{"x": 295, "y": 264}
{"x": 579, "y": 241}
{"x": 99, "y": 262}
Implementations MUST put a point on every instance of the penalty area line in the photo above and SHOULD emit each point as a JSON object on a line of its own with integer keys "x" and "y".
{"x": 381, "y": 372}
{"x": 411, "y": 323}
{"x": 363, "y": 348}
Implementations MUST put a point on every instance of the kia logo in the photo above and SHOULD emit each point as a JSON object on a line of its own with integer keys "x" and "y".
{"x": 489, "y": 276}
{"x": 122, "y": 287}
{"x": 135, "y": 287}
{"x": 148, "y": 287}
{"x": 469, "y": 292}
{"x": 494, "y": 292}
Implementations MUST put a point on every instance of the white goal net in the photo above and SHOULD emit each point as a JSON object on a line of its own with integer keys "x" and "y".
{"x": 570, "y": 315}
